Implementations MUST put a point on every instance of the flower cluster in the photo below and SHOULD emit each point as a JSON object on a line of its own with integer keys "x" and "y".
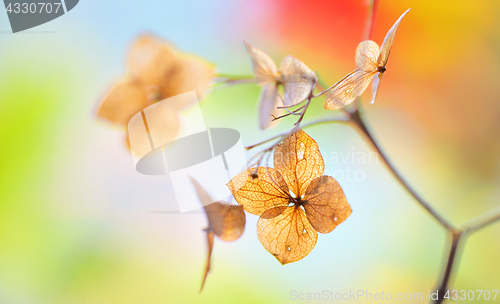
{"x": 155, "y": 71}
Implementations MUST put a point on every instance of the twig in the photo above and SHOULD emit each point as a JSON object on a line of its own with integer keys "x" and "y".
{"x": 480, "y": 222}
{"x": 299, "y": 111}
{"x": 297, "y": 123}
{"x": 283, "y": 135}
{"x": 357, "y": 120}
{"x": 234, "y": 77}
{"x": 370, "y": 20}
{"x": 443, "y": 288}
{"x": 332, "y": 86}
{"x": 294, "y": 112}
{"x": 225, "y": 79}
{"x": 320, "y": 85}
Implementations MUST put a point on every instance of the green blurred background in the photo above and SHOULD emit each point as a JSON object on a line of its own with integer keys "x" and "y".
{"x": 76, "y": 220}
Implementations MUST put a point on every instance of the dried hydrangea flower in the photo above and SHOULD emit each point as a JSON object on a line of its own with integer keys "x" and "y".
{"x": 156, "y": 71}
{"x": 296, "y": 78}
{"x": 295, "y": 200}
{"x": 370, "y": 61}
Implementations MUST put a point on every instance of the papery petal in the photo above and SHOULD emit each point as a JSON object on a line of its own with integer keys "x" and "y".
{"x": 299, "y": 161}
{"x": 352, "y": 86}
{"x": 264, "y": 67}
{"x": 260, "y": 191}
{"x": 187, "y": 74}
{"x": 152, "y": 128}
{"x": 210, "y": 247}
{"x": 286, "y": 233}
{"x": 367, "y": 54}
{"x": 123, "y": 101}
{"x": 150, "y": 59}
{"x": 326, "y": 205}
{"x": 269, "y": 103}
{"x": 385, "y": 49}
{"x": 375, "y": 85}
{"x": 225, "y": 220}
{"x": 298, "y": 80}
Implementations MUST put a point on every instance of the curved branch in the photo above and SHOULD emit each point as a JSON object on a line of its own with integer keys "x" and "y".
{"x": 480, "y": 222}
{"x": 318, "y": 122}
{"x": 357, "y": 120}
{"x": 226, "y": 79}
{"x": 370, "y": 21}
{"x": 443, "y": 288}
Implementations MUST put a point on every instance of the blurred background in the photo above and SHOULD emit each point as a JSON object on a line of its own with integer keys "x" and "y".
{"x": 79, "y": 225}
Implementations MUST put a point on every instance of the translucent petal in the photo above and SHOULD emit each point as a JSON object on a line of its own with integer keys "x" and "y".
{"x": 348, "y": 89}
{"x": 188, "y": 73}
{"x": 367, "y": 54}
{"x": 375, "y": 85}
{"x": 123, "y": 101}
{"x": 210, "y": 245}
{"x": 385, "y": 49}
{"x": 258, "y": 191}
{"x": 150, "y": 60}
{"x": 225, "y": 220}
{"x": 326, "y": 205}
{"x": 298, "y": 80}
{"x": 299, "y": 161}
{"x": 286, "y": 233}
{"x": 269, "y": 103}
{"x": 263, "y": 66}
{"x": 162, "y": 123}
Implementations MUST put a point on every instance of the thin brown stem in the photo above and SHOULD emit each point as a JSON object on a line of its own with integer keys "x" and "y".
{"x": 294, "y": 112}
{"x": 308, "y": 98}
{"x": 332, "y": 86}
{"x": 357, "y": 120}
{"x": 480, "y": 222}
{"x": 347, "y": 113}
{"x": 227, "y": 79}
{"x": 320, "y": 85}
{"x": 328, "y": 89}
{"x": 443, "y": 287}
{"x": 297, "y": 124}
{"x": 370, "y": 20}
{"x": 228, "y": 76}
{"x": 282, "y": 135}
{"x": 300, "y": 111}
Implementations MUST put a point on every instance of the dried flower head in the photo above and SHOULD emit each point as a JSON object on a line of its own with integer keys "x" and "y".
{"x": 155, "y": 71}
{"x": 295, "y": 200}
{"x": 370, "y": 61}
{"x": 296, "y": 78}
{"x": 226, "y": 221}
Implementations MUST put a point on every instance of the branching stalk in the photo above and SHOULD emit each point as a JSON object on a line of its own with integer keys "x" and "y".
{"x": 370, "y": 20}
{"x": 480, "y": 222}
{"x": 355, "y": 118}
{"x": 443, "y": 287}
{"x": 358, "y": 122}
